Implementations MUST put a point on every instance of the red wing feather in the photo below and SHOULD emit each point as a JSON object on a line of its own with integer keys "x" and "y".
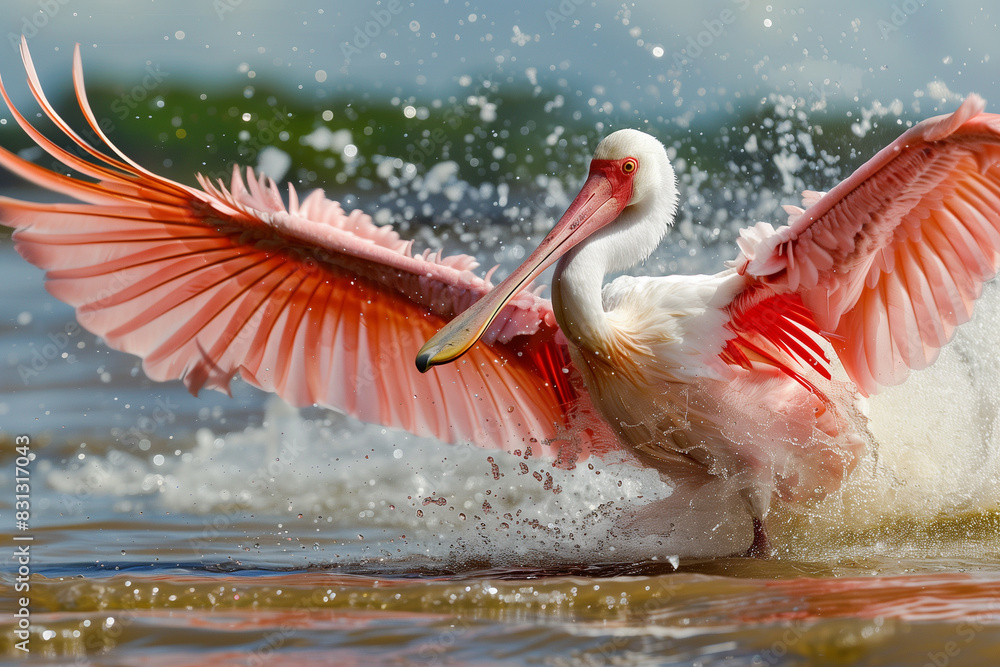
{"x": 776, "y": 330}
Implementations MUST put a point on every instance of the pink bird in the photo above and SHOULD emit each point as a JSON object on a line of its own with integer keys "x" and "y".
{"x": 739, "y": 388}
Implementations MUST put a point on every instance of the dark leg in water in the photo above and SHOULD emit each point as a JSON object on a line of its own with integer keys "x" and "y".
{"x": 761, "y": 547}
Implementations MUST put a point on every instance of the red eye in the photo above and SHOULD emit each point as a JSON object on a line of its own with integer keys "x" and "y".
{"x": 630, "y": 165}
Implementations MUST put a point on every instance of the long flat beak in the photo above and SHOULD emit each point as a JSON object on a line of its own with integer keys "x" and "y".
{"x": 595, "y": 206}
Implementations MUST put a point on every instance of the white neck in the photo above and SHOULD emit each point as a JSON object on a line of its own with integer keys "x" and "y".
{"x": 579, "y": 275}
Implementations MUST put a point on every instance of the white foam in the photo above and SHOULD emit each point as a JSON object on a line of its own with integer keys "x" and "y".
{"x": 938, "y": 435}
{"x": 325, "y": 139}
{"x": 438, "y": 176}
{"x": 365, "y": 477}
{"x": 274, "y": 162}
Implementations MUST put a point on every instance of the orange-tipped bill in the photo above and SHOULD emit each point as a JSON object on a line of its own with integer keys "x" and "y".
{"x": 600, "y": 201}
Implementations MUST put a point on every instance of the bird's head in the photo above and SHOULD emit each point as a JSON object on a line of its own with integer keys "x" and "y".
{"x": 639, "y": 157}
{"x": 629, "y": 166}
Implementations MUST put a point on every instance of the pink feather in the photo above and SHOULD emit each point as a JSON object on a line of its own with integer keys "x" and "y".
{"x": 317, "y": 304}
{"x": 890, "y": 261}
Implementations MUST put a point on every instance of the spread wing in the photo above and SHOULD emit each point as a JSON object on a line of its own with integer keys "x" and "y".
{"x": 318, "y": 305}
{"x": 886, "y": 264}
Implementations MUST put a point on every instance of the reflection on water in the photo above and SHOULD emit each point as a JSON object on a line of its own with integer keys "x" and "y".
{"x": 593, "y": 615}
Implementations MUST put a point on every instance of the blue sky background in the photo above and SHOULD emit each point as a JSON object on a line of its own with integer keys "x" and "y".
{"x": 630, "y": 56}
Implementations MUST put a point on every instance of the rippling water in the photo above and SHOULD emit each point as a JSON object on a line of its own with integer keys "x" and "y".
{"x": 724, "y": 612}
{"x": 173, "y": 530}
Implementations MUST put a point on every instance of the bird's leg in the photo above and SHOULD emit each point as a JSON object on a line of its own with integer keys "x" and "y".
{"x": 761, "y": 546}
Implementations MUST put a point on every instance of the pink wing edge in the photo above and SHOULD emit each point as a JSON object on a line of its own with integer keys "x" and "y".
{"x": 205, "y": 284}
{"x": 885, "y": 266}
